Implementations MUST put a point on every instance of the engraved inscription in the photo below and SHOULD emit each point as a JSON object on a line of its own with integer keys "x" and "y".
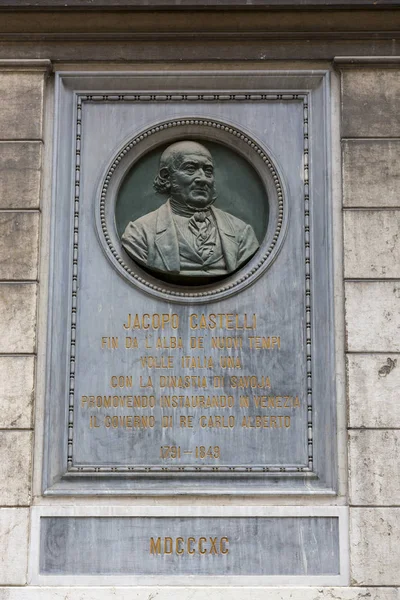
{"x": 197, "y": 382}
{"x": 190, "y": 545}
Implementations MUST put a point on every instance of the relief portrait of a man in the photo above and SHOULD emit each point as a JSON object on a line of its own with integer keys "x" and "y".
{"x": 188, "y": 235}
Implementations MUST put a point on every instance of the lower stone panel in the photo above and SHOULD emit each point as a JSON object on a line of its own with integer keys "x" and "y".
{"x": 169, "y": 546}
{"x": 189, "y": 546}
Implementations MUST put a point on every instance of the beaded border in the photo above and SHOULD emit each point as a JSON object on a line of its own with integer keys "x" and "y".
{"x": 139, "y": 469}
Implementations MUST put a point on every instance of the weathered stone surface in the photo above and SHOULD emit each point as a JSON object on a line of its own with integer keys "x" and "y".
{"x": 15, "y": 467}
{"x": 19, "y": 237}
{"x": 374, "y": 474}
{"x": 18, "y": 317}
{"x": 371, "y": 173}
{"x": 373, "y": 316}
{"x": 375, "y": 546}
{"x": 16, "y": 391}
{"x": 21, "y": 105}
{"x": 198, "y": 593}
{"x": 14, "y": 524}
{"x": 373, "y": 390}
{"x": 20, "y": 174}
{"x": 372, "y": 243}
{"x": 370, "y": 102}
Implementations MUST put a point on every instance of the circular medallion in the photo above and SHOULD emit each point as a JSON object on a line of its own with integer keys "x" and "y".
{"x": 192, "y": 210}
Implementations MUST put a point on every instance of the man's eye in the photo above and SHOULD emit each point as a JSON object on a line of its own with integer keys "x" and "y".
{"x": 190, "y": 169}
{"x": 209, "y": 172}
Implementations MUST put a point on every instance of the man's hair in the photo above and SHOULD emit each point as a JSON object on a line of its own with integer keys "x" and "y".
{"x": 170, "y": 160}
{"x": 161, "y": 184}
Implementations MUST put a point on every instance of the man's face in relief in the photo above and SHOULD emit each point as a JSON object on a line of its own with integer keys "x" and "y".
{"x": 192, "y": 179}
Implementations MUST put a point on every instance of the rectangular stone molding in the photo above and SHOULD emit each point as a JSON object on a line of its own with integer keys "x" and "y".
{"x": 370, "y": 102}
{"x": 20, "y": 174}
{"x": 179, "y": 408}
{"x": 18, "y": 322}
{"x": 371, "y": 173}
{"x": 165, "y": 545}
{"x": 192, "y": 545}
{"x": 375, "y": 546}
{"x": 373, "y": 390}
{"x": 374, "y": 474}
{"x": 16, "y": 391}
{"x": 21, "y": 97}
{"x": 197, "y": 593}
{"x": 15, "y": 467}
{"x": 14, "y": 546}
{"x": 19, "y": 239}
{"x": 373, "y": 316}
{"x": 371, "y": 243}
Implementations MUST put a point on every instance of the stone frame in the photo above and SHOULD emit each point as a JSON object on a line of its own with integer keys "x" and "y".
{"x": 301, "y": 86}
{"x": 194, "y": 514}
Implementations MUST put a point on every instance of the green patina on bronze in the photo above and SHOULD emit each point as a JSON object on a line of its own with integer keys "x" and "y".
{"x": 240, "y": 191}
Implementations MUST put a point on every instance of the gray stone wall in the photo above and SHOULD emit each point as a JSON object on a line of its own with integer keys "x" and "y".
{"x": 21, "y": 140}
{"x": 371, "y": 216}
{"x": 370, "y": 133}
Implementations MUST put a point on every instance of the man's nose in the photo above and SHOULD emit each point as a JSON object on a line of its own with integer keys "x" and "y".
{"x": 200, "y": 175}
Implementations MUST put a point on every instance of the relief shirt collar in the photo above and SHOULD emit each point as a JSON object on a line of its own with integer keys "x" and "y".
{"x": 186, "y": 211}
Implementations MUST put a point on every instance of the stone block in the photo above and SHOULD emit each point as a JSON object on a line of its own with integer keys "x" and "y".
{"x": 16, "y": 391}
{"x": 20, "y": 174}
{"x": 18, "y": 317}
{"x": 375, "y": 546}
{"x": 371, "y": 243}
{"x": 21, "y": 105}
{"x": 373, "y": 382}
{"x": 374, "y": 474}
{"x": 15, "y": 467}
{"x": 19, "y": 240}
{"x": 370, "y": 102}
{"x": 14, "y": 523}
{"x": 371, "y": 173}
{"x": 197, "y": 593}
{"x": 372, "y": 314}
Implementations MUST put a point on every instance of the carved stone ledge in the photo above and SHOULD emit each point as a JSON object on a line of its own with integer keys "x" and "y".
{"x": 41, "y": 65}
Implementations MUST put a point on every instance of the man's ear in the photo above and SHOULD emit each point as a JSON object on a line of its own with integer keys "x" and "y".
{"x": 164, "y": 174}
